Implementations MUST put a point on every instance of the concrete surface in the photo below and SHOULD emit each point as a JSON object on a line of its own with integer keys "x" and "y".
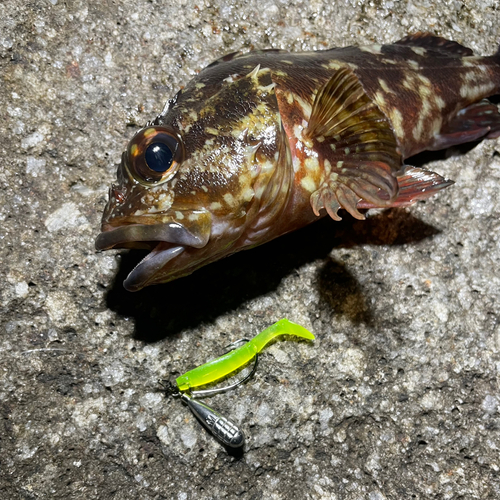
{"x": 397, "y": 398}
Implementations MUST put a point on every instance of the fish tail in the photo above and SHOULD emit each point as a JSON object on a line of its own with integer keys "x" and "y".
{"x": 281, "y": 327}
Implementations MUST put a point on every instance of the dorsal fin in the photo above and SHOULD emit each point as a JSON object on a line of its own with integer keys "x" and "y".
{"x": 434, "y": 42}
{"x": 350, "y": 132}
{"x": 226, "y": 58}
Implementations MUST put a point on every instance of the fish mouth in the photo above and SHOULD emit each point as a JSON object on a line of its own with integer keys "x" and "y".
{"x": 151, "y": 265}
{"x": 166, "y": 240}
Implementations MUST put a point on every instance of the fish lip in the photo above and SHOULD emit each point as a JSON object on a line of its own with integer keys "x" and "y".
{"x": 151, "y": 264}
{"x": 171, "y": 232}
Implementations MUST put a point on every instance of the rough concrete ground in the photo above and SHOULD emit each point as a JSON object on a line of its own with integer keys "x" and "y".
{"x": 397, "y": 398}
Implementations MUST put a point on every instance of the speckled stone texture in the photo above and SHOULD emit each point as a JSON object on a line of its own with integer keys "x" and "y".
{"x": 398, "y": 396}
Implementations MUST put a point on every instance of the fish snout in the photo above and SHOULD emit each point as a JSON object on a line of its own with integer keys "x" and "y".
{"x": 165, "y": 240}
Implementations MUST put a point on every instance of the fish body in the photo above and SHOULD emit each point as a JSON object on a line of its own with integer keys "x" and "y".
{"x": 263, "y": 143}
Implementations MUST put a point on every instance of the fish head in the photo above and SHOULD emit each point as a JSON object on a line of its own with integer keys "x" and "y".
{"x": 200, "y": 182}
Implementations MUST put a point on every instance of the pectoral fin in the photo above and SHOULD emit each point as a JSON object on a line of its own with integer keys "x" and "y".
{"x": 357, "y": 145}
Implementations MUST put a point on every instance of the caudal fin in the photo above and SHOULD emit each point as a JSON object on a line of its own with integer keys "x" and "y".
{"x": 414, "y": 184}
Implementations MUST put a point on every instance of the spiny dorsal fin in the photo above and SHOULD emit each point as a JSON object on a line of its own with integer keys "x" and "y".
{"x": 356, "y": 142}
{"x": 436, "y": 43}
{"x": 224, "y": 59}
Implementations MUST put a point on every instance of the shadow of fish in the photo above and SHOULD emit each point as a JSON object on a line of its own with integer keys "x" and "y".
{"x": 263, "y": 143}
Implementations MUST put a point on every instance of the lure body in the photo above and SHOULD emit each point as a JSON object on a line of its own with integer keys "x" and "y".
{"x": 231, "y": 361}
{"x": 261, "y": 144}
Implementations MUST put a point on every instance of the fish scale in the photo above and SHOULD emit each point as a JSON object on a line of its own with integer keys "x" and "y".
{"x": 260, "y": 144}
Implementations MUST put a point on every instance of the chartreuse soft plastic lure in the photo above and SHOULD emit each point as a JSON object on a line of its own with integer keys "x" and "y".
{"x": 223, "y": 429}
{"x": 221, "y": 367}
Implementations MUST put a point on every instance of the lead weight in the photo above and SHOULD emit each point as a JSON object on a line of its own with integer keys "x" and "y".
{"x": 225, "y": 431}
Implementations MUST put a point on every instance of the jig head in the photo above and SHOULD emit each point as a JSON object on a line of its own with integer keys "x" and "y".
{"x": 223, "y": 429}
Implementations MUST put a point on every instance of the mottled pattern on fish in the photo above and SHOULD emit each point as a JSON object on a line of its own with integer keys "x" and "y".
{"x": 263, "y": 143}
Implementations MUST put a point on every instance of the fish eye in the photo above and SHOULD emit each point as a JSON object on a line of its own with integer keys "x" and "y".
{"x": 154, "y": 154}
{"x": 159, "y": 157}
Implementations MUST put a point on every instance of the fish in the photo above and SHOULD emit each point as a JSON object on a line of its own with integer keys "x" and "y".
{"x": 262, "y": 143}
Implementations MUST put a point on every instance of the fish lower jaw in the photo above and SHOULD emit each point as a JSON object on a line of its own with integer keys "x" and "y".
{"x": 145, "y": 271}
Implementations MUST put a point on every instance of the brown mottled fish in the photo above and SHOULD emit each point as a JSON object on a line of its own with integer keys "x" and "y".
{"x": 263, "y": 143}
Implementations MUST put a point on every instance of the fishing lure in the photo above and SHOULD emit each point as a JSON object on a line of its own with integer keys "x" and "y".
{"x": 260, "y": 144}
{"x": 223, "y": 429}
{"x": 233, "y": 360}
